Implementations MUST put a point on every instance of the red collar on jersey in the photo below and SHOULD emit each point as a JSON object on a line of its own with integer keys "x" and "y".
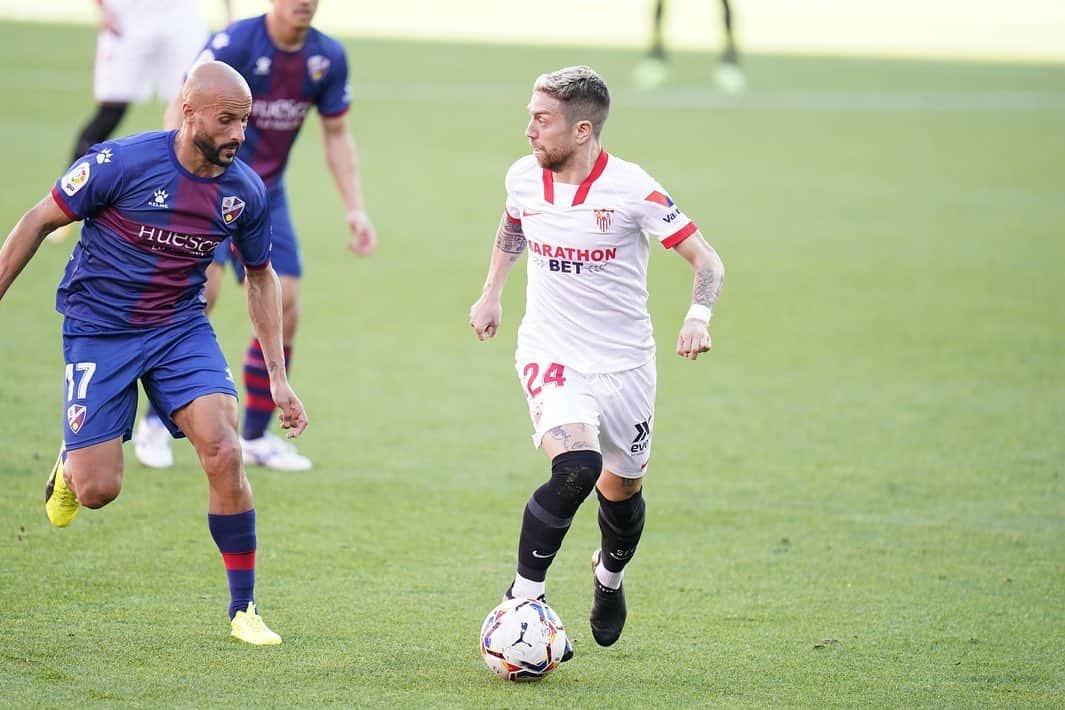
{"x": 582, "y": 190}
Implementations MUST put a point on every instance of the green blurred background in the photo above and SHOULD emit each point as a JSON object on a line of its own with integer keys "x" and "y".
{"x": 856, "y": 500}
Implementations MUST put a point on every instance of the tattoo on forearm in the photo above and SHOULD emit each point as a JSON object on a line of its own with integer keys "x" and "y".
{"x": 273, "y": 367}
{"x": 582, "y": 441}
{"x": 708, "y": 282}
{"x": 510, "y": 238}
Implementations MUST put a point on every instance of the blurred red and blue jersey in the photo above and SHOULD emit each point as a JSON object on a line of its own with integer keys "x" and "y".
{"x": 284, "y": 85}
{"x": 150, "y": 230}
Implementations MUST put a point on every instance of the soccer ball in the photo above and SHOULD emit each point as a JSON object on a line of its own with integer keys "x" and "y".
{"x": 523, "y": 639}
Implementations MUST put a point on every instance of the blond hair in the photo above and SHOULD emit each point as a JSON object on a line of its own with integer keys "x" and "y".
{"x": 583, "y": 94}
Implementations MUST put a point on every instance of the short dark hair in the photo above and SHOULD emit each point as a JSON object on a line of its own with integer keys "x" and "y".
{"x": 583, "y": 94}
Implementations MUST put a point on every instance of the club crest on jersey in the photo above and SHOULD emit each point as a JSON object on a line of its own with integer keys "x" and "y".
{"x": 75, "y": 179}
{"x": 232, "y": 207}
{"x": 317, "y": 66}
{"x": 603, "y": 218}
{"x": 76, "y": 417}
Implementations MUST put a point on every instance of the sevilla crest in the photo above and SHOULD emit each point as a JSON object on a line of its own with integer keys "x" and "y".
{"x": 603, "y": 218}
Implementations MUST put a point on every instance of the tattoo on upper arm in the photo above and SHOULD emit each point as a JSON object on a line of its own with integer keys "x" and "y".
{"x": 708, "y": 282}
{"x": 510, "y": 238}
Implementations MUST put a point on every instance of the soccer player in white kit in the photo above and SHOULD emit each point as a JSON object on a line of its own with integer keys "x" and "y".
{"x": 144, "y": 47}
{"x": 585, "y": 356}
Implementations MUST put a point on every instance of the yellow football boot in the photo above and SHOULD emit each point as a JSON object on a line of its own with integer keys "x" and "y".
{"x": 60, "y": 502}
{"x": 249, "y": 627}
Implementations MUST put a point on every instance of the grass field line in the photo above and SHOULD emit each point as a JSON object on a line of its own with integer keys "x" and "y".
{"x": 679, "y": 97}
{"x": 701, "y": 97}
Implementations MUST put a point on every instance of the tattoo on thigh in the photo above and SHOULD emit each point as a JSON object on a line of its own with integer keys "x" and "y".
{"x": 582, "y": 441}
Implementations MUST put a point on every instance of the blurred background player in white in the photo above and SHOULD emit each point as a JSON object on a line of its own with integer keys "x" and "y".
{"x": 143, "y": 49}
{"x": 653, "y": 70}
{"x": 585, "y": 354}
{"x": 290, "y": 67}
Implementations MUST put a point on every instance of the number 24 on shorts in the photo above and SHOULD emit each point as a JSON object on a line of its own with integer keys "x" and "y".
{"x": 554, "y": 374}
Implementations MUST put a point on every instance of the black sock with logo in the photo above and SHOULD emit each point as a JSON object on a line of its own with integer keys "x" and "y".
{"x": 550, "y": 510}
{"x": 621, "y": 524}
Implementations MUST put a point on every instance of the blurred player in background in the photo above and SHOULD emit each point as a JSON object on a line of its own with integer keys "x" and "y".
{"x": 585, "y": 355}
{"x": 143, "y": 49}
{"x": 156, "y": 205}
{"x": 653, "y": 70}
{"x": 290, "y": 67}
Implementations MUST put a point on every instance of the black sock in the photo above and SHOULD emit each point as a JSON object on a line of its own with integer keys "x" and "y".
{"x": 658, "y": 48}
{"x": 621, "y": 523}
{"x": 730, "y": 55}
{"x": 99, "y": 127}
{"x": 551, "y": 508}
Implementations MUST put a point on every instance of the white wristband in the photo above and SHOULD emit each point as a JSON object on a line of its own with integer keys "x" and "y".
{"x": 699, "y": 312}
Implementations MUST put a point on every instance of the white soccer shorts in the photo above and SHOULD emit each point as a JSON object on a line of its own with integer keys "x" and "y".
{"x": 619, "y": 405}
{"x": 145, "y": 60}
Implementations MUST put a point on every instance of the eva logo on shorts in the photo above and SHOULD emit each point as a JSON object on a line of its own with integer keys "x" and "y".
{"x": 76, "y": 417}
{"x": 643, "y": 438}
{"x": 232, "y": 207}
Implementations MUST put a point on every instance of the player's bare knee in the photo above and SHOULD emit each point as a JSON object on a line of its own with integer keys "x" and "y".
{"x": 618, "y": 488}
{"x": 225, "y": 458}
{"x": 98, "y": 491}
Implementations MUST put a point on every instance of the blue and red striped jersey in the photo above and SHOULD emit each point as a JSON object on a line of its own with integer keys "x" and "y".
{"x": 284, "y": 85}
{"x": 150, "y": 228}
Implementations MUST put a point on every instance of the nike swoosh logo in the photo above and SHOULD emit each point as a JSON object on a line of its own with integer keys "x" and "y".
{"x": 529, "y": 213}
{"x": 542, "y": 557}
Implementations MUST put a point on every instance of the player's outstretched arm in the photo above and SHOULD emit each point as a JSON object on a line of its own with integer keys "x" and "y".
{"x": 21, "y": 244}
{"x": 487, "y": 312}
{"x": 264, "y": 308}
{"x": 343, "y": 160}
{"x": 694, "y": 337}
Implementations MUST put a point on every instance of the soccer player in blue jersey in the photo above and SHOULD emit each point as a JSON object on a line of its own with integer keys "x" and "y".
{"x": 155, "y": 208}
{"x": 290, "y": 67}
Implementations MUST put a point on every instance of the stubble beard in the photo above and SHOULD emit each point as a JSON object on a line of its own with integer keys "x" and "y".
{"x": 554, "y": 161}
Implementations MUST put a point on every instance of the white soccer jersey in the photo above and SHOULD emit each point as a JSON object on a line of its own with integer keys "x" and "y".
{"x": 586, "y": 304}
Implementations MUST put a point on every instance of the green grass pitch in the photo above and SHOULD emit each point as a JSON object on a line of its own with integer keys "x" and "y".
{"x": 856, "y": 500}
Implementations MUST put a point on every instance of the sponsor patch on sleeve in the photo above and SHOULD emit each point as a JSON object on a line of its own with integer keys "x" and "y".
{"x": 75, "y": 179}
{"x": 659, "y": 198}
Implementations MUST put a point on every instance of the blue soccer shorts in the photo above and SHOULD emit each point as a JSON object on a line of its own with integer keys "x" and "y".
{"x": 285, "y": 251}
{"x": 175, "y": 364}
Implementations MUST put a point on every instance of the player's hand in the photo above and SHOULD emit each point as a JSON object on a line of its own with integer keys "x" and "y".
{"x": 363, "y": 236}
{"x": 293, "y": 416}
{"x": 694, "y": 338}
{"x": 109, "y": 21}
{"x": 485, "y": 316}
